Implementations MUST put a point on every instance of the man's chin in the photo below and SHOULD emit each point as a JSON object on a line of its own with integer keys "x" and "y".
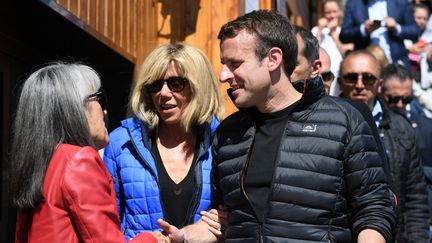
{"x": 360, "y": 98}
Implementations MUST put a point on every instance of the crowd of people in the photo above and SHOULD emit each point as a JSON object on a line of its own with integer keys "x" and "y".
{"x": 332, "y": 140}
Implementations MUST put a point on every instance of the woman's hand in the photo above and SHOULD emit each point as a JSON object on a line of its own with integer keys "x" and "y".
{"x": 333, "y": 24}
{"x": 322, "y": 23}
{"x": 216, "y": 219}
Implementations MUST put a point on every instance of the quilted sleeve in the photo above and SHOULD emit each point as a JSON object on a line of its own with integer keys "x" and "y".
{"x": 368, "y": 192}
{"x": 90, "y": 198}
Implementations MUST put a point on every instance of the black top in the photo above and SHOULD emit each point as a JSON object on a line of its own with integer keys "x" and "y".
{"x": 175, "y": 198}
{"x": 269, "y": 131}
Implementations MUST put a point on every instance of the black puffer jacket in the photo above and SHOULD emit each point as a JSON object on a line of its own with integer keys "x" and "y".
{"x": 328, "y": 183}
{"x": 398, "y": 138}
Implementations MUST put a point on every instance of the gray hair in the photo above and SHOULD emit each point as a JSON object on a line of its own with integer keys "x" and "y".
{"x": 51, "y": 111}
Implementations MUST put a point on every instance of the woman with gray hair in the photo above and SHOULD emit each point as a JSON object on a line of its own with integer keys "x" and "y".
{"x": 59, "y": 183}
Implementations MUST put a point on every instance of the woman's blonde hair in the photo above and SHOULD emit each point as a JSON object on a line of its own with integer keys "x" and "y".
{"x": 191, "y": 63}
{"x": 379, "y": 54}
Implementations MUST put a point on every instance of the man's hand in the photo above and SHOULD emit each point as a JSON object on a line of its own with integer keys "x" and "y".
{"x": 174, "y": 234}
{"x": 160, "y": 237}
{"x": 370, "y": 236}
{"x": 370, "y": 26}
{"x": 390, "y": 23}
{"x": 196, "y": 233}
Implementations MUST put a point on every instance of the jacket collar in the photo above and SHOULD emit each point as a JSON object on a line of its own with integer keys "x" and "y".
{"x": 311, "y": 89}
{"x": 385, "y": 121}
{"x": 142, "y": 132}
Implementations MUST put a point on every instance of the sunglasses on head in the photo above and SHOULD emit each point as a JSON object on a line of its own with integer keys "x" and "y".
{"x": 175, "y": 84}
{"x": 394, "y": 99}
{"x": 100, "y": 97}
{"x": 367, "y": 78}
{"x": 327, "y": 76}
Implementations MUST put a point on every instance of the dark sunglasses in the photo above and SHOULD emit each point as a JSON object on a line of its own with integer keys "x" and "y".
{"x": 367, "y": 78}
{"x": 100, "y": 97}
{"x": 175, "y": 84}
{"x": 395, "y": 99}
{"x": 327, "y": 76}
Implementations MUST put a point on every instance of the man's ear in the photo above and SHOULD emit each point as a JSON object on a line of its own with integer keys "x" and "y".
{"x": 339, "y": 80}
{"x": 316, "y": 68}
{"x": 380, "y": 86}
{"x": 275, "y": 58}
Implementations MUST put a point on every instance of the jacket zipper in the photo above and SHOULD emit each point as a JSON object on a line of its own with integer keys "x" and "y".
{"x": 260, "y": 224}
{"x": 197, "y": 194}
{"x": 148, "y": 165}
{"x": 260, "y": 233}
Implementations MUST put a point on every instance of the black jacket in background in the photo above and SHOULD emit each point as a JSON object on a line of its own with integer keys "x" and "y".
{"x": 408, "y": 180}
{"x": 423, "y": 130}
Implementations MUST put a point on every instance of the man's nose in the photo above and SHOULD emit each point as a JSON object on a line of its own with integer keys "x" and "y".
{"x": 359, "y": 83}
{"x": 225, "y": 74}
{"x": 400, "y": 105}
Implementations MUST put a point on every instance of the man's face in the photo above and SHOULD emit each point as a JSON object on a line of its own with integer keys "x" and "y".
{"x": 248, "y": 77}
{"x": 397, "y": 94}
{"x": 303, "y": 69}
{"x": 364, "y": 87}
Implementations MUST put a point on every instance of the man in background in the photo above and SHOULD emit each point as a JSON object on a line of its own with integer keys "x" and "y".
{"x": 359, "y": 80}
{"x": 398, "y": 95}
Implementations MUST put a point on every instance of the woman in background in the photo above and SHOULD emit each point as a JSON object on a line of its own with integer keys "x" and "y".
{"x": 160, "y": 158}
{"x": 421, "y": 16}
{"x": 59, "y": 182}
{"x": 327, "y": 32}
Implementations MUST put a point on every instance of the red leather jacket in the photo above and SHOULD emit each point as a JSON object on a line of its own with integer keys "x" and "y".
{"x": 79, "y": 202}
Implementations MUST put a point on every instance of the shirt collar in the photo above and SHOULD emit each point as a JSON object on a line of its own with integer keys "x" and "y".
{"x": 377, "y": 112}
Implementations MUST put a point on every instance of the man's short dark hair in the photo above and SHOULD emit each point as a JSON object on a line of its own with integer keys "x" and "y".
{"x": 311, "y": 45}
{"x": 270, "y": 29}
{"x": 395, "y": 71}
{"x": 359, "y": 52}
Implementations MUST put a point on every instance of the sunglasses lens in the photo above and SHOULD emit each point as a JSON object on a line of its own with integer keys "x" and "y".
{"x": 350, "y": 78}
{"x": 369, "y": 79}
{"x": 392, "y": 99}
{"x": 395, "y": 99}
{"x": 176, "y": 84}
{"x": 155, "y": 86}
{"x": 327, "y": 76}
{"x": 103, "y": 100}
{"x": 407, "y": 99}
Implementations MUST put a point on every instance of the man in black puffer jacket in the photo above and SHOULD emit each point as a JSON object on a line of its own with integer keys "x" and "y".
{"x": 291, "y": 166}
{"x": 359, "y": 81}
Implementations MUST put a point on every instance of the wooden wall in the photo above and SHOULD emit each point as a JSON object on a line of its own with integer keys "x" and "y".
{"x": 134, "y": 27}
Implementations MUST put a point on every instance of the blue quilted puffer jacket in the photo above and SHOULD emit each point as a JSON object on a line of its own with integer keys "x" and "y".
{"x": 128, "y": 159}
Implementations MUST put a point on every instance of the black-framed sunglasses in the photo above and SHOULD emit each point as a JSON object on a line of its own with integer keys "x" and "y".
{"x": 367, "y": 78}
{"x": 175, "y": 84}
{"x": 100, "y": 97}
{"x": 327, "y": 76}
{"x": 394, "y": 99}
